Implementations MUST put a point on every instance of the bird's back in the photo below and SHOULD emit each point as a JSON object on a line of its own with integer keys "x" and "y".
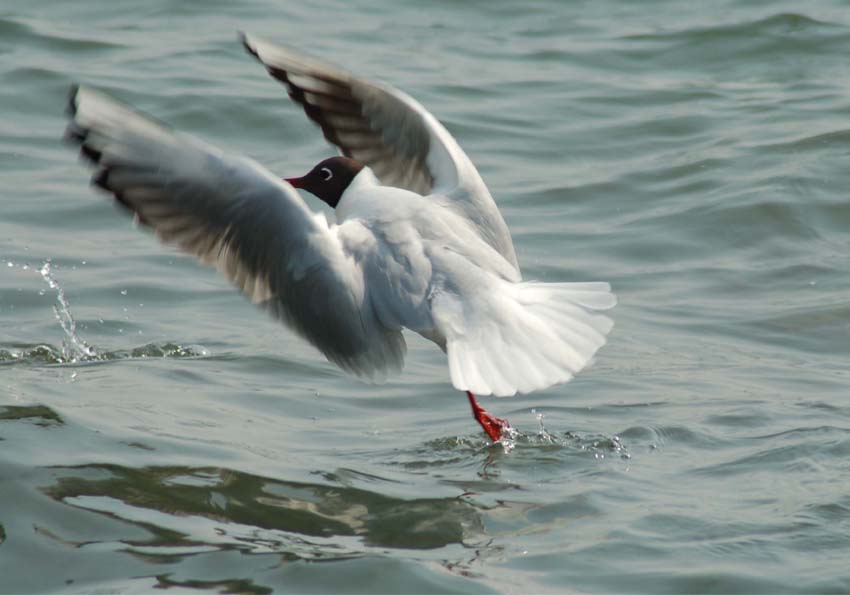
{"x": 400, "y": 239}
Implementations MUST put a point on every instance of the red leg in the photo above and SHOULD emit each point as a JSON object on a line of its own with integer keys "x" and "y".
{"x": 492, "y": 425}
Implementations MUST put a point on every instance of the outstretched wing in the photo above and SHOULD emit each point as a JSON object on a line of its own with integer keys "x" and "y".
{"x": 233, "y": 214}
{"x": 390, "y": 132}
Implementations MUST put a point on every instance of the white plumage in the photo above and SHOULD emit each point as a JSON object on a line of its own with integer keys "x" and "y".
{"x": 418, "y": 242}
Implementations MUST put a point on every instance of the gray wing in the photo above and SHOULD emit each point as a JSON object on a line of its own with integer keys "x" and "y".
{"x": 233, "y": 214}
{"x": 390, "y": 132}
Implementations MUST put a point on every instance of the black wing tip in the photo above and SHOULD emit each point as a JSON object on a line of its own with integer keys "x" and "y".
{"x": 74, "y": 133}
{"x": 101, "y": 179}
{"x": 71, "y": 106}
{"x": 248, "y": 45}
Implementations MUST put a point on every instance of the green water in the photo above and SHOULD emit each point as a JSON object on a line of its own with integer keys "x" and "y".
{"x": 157, "y": 432}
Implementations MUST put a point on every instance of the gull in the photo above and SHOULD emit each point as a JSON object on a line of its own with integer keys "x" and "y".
{"x": 417, "y": 242}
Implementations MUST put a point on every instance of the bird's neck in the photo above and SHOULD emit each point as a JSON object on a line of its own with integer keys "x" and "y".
{"x": 359, "y": 186}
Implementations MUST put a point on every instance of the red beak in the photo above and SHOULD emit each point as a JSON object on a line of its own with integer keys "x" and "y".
{"x": 295, "y": 182}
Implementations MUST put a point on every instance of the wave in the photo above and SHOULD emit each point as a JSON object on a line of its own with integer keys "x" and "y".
{"x": 761, "y": 44}
{"x": 16, "y": 32}
{"x": 778, "y": 24}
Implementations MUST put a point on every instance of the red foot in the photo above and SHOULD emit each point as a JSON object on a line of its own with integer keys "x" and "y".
{"x": 492, "y": 425}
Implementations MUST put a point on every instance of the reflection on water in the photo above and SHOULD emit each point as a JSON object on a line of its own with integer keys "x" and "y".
{"x": 165, "y": 581}
{"x": 188, "y": 510}
{"x": 40, "y": 415}
{"x": 169, "y": 523}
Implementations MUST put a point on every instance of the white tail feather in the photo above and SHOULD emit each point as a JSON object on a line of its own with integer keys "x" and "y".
{"x": 525, "y": 336}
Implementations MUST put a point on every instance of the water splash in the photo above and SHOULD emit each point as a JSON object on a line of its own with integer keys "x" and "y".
{"x": 509, "y": 438}
{"x": 599, "y": 446}
{"x": 542, "y": 434}
{"x": 74, "y": 348}
{"x": 604, "y": 446}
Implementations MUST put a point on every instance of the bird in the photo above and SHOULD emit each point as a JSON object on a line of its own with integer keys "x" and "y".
{"x": 417, "y": 243}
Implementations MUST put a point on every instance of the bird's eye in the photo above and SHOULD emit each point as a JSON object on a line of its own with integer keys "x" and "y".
{"x": 327, "y": 174}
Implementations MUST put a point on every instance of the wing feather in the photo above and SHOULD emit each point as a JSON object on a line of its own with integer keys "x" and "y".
{"x": 399, "y": 139}
{"x": 231, "y": 213}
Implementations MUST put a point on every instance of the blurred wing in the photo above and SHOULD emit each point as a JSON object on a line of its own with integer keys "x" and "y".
{"x": 233, "y": 214}
{"x": 390, "y": 132}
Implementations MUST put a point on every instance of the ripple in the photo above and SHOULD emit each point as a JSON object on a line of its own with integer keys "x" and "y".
{"x": 520, "y": 449}
{"x": 825, "y": 140}
{"x": 44, "y": 354}
{"x": 45, "y": 36}
{"x": 801, "y": 450}
{"x": 751, "y": 46}
{"x": 700, "y": 166}
{"x": 778, "y": 24}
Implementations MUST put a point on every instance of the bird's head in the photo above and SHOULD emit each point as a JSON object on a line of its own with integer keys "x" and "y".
{"x": 329, "y": 179}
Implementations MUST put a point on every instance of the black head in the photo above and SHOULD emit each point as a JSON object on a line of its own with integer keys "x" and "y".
{"x": 329, "y": 179}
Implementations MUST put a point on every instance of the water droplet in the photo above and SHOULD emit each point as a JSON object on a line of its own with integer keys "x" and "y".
{"x": 541, "y": 429}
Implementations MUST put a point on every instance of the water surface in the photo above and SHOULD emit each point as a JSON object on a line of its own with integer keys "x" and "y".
{"x": 158, "y": 432}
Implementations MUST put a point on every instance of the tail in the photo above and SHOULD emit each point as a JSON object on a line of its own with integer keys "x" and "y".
{"x": 522, "y": 337}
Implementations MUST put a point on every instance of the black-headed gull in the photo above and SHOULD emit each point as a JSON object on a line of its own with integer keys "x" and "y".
{"x": 418, "y": 242}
